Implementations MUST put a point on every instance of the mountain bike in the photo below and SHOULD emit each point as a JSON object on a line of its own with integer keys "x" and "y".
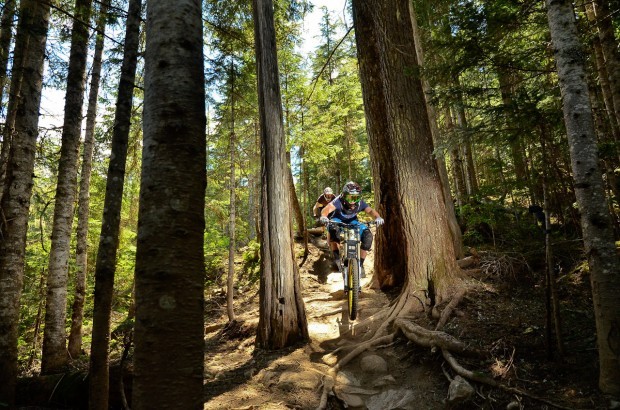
{"x": 349, "y": 265}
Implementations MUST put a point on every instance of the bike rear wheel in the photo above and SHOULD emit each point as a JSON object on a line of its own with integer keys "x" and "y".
{"x": 353, "y": 284}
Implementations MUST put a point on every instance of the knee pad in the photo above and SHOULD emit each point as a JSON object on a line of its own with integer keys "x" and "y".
{"x": 366, "y": 240}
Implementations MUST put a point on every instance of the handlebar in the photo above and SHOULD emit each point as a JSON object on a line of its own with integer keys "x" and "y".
{"x": 345, "y": 225}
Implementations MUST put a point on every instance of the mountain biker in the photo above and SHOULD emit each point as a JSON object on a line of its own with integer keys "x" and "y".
{"x": 326, "y": 197}
{"x": 345, "y": 208}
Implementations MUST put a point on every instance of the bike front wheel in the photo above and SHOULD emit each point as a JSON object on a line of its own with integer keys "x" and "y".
{"x": 353, "y": 284}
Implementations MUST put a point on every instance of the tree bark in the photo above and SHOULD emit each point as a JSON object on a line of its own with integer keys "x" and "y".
{"x": 170, "y": 271}
{"x": 603, "y": 76}
{"x": 455, "y": 229}
{"x": 81, "y": 251}
{"x": 231, "y": 222}
{"x": 471, "y": 182}
{"x": 458, "y": 175}
{"x": 282, "y": 320}
{"x": 296, "y": 206}
{"x": 54, "y": 358}
{"x": 417, "y": 238}
{"x": 595, "y": 219}
{"x": 610, "y": 50}
{"x": 6, "y": 35}
{"x": 14, "y": 89}
{"x": 105, "y": 264}
{"x": 30, "y": 49}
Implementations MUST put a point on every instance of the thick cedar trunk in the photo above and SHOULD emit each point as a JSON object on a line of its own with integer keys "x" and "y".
{"x": 455, "y": 229}
{"x": 169, "y": 346}
{"x": 390, "y": 261}
{"x": 29, "y": 49}
{"x": 54, "y": 358}
{"x": 417, "y": 225}
{"x": 105, "y": 264}
{"x": 282, "y": 320}
{"x": 81, "y": 249}
{"x": 595, "y": 219}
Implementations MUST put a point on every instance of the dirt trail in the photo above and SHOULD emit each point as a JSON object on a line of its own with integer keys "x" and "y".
{"x": 388, "y": 377}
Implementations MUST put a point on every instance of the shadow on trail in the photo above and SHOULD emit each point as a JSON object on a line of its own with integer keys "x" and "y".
{"x": 322, "y": 266}
{"x": 231, "y": 378}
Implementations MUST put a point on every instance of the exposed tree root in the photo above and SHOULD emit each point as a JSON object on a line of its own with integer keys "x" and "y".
{"x": 447, "y": 312}
{"x": 477, "y": 377}
{"x": 361, "y": 348}
{"x": 433, "y": 338}
{"x": 328, "y": 385}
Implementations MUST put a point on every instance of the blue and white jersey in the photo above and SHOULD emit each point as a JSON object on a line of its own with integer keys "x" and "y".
{"x": 347, "y": 215}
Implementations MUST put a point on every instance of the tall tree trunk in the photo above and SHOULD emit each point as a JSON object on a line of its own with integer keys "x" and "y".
{"x": 54, "y": 358}
{"x": 231, "y": 222}
{"x": 282, "y": 320}
{"x": 553, "y": 303}
{"x": 29, "y": 49}
{"x": 37, "y": 320}
{"x": 471, "y": 182}
{"x": 516, "y": 146}
{"x": 458, "y": 175}
{"x": 603, "y": 76}
{"x": 105, "y": 265}
{"x": 595, "y": 219}
{"x": 305, "y": 179}
{"x": 455, "y": 229}
{"x": 610, "y": 50}
{"x": 170, "y": 256}
{"x": 251, "y": 202}
{"x": 81, "y": 251}
{"x": 411, "y": 197}
{"x": 6, "y": 25}
{"x": 296, "y": 206}
{"x": 6, "y": 35}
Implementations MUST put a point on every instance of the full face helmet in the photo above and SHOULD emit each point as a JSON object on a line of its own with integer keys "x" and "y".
{"x": 351, "y": 195}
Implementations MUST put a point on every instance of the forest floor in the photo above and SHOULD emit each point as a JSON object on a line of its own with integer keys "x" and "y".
{"x": 503, "y": 314}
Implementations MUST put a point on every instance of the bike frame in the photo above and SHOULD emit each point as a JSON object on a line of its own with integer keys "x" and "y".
{"x": 350, "y": 240}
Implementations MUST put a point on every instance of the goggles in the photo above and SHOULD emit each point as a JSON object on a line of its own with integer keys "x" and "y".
{"x": 352, "y": 198}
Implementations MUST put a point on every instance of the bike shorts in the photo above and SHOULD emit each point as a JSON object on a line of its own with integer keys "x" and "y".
{"x": 365, "y": 234}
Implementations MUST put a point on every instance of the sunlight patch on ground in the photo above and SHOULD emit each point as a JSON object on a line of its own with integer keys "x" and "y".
{"x": 323, "y": 331}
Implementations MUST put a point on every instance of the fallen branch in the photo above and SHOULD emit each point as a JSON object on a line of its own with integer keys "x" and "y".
{"x": 480, "y": 378}
{"x": 467, "y": 262}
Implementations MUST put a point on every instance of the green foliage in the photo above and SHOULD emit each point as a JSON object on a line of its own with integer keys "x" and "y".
{"x": 251, "y": 261}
